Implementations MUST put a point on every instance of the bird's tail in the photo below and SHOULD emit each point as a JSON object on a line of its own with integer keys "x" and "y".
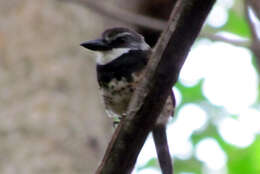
{"x": 162, "y": 149}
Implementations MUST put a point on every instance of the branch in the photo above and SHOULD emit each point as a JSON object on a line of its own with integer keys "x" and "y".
{"x": 255, "y": 46}
{"x": 236, "y": 42}
{"x": 252, "y": 27}
{"x": 162, "y": 72}
{"x": 256, "y": 7}
{"x": 106, "y": 9}
{"x": 122, "y": 15}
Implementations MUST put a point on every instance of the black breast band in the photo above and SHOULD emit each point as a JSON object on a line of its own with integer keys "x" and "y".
{"x": 122, "y": 67}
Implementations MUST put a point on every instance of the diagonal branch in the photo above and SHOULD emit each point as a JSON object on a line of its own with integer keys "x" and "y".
{"x": 162, "y": 72}
{"x": 252, "y": 27}
{"x": 255, "y": 46}
{"x": 255, "y": 4}
{"x": 122, "y": 15}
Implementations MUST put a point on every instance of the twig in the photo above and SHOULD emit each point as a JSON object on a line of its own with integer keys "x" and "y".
{"x": 255, "y": 4}
{"x": 252, "y": 28}
{"x": 255, "y": 46}
{"x": 122, "y": 15}
{"x": 106, "y": 9}
{"x": 162, "y": 72}
{"x": 236, "y": 42}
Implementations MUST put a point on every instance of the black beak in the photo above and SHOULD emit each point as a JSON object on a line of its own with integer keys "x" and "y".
{"x": 96, "y": 45}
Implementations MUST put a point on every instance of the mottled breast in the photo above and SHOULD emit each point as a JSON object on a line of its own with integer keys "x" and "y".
{"x": 118, "y": 79}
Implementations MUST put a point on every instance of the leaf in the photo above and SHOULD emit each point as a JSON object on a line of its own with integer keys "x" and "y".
{"x": 151, "y": 163}
{"x": 190, "y": 166}
{"x": 191, "y": 94}
{"x": 245, "y": 160}
{"x": 236, "y": 24}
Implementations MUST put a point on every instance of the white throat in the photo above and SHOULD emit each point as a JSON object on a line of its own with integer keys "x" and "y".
{"x": 105, "y": 57}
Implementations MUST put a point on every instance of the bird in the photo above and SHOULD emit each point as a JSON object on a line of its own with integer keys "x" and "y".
{"x": 121, "y": 58}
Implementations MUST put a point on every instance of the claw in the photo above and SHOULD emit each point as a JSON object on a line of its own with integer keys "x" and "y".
{"x": 115, "y": 123}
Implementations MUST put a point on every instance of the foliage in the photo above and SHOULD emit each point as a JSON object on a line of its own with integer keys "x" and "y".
{"x": 240, "y": 160}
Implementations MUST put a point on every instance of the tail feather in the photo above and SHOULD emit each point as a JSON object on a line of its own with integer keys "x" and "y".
{"x": 162, "y": 149}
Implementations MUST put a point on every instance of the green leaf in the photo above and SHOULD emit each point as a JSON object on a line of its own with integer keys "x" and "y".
{"x": 151, "y": 163}
{"x": 191, "y": 165}
{"x": 237, "y": 24}
{"x": 191, "y": 94}
{"x": 244, "y": 160}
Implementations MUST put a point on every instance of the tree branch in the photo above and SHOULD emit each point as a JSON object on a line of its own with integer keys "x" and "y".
{"x": 162, "y": 72}
{"x": 122, "y": 15}
{"x": 236, "y": 42}
{"x": 252, "y": 28}
{"x": 106, "y": 9}
{"x": 256, "y": 7}
{"x": 255, "y": 46}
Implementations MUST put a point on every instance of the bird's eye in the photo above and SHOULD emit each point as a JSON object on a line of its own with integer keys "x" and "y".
{"x": 121, "y": 40}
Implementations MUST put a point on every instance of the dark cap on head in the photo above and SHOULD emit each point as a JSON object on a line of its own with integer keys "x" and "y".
{"x": 117, "y": 38}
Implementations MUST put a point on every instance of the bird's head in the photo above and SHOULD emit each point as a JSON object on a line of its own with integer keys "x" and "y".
{"x": 115, "y": 42}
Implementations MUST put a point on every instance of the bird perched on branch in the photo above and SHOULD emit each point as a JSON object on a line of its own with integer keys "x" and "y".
{"x": 122, "y": 56}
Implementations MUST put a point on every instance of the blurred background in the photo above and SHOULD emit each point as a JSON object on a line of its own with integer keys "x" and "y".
{"x": 52, "y": 120}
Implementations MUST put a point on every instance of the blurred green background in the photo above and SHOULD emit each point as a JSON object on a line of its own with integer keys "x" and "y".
{"x": 217, "y": 123}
